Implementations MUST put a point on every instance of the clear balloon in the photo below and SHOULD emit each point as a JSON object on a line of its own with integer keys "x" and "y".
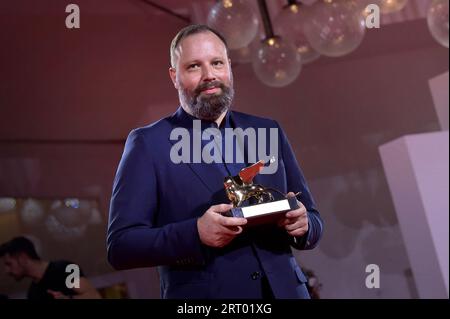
{"x": 289, "y": 24}
{"x": 437, "y": 19}
{"x": 277, "y": 62}
{"x": 334, "y": 28}
{"x": 236, "y": 20}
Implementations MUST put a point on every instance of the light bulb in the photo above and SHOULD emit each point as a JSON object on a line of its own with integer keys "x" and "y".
{"x": 390, "y": 6}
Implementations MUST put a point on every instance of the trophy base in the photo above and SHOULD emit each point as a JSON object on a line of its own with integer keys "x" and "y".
{"x": 264, "y": 213}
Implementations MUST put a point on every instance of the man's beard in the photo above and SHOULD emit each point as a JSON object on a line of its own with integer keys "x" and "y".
{"x": 208, "y": 106}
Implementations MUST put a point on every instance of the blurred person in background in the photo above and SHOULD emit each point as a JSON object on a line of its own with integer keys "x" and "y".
{"x": 49, "y": 278}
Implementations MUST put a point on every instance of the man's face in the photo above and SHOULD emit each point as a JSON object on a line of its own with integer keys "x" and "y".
{"x": 14, "y": 266}
{"x": 202, "y": 75}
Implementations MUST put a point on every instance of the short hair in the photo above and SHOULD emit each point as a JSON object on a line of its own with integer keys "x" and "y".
{"x": 190, "y": 30}
{"x": 19, "y": 245}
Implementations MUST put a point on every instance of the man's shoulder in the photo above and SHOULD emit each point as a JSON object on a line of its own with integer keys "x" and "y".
{"x": 154, "y": 129}
{"x": 156, "y": 126}
{"x": 253, "y": 120}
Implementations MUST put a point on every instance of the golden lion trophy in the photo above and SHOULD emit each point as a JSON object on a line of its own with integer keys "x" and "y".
{"x": 253, "y": 201}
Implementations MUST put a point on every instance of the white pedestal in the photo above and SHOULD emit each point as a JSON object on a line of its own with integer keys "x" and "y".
{"x": 439, "y": 91}
{"x": 417, "y": 168}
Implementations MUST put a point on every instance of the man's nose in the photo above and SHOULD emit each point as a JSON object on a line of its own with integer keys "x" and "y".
{"x": 208, "y": 74}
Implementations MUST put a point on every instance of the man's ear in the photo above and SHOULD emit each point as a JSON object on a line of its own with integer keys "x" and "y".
{"x": 173, "y": 76}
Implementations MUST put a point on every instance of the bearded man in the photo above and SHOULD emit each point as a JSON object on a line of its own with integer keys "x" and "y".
{"x": 170, "y": 214}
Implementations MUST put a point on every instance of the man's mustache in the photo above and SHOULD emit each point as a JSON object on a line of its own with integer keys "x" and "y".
{"x": 209, "y": 85}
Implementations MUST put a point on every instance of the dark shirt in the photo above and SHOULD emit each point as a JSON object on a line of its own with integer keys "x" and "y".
{"x": 54, "y": 278}
{"x": 228, "y": 168}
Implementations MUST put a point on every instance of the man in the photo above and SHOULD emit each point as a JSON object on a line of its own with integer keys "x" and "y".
{"x": 48, "y": 278}
{"x": 169, "y": 213}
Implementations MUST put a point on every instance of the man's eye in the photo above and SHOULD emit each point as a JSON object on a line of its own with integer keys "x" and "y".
{"x": 193, "y": 66}
{"x": 217, "y": 63}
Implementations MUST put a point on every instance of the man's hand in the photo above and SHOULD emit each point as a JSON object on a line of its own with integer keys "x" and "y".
{"x": 295, "y": 221}
{"x": 216, "y": 230}
{"x": 57, "y": 294}
{"x": 85, "y": 291}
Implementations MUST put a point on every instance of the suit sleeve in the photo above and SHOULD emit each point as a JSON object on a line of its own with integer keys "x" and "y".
{"x": 132, "y": 238}
{"x": 296, "y": 182}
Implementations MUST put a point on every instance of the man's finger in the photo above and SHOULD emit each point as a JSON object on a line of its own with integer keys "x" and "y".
{"x": 298, "y": 231}
{"x": 230, "y": 232}
{"x": 296, "y": 225}
{"x": 287, "y": 221}
{"x": 233, "y": 221}
{"x": 221, "y": 208}
{"x": 290, "y": 194}
{"x": 301, "y": 210}
{"x": 55, "y": 294}
{"x": 295, "y": 213}
{"x": 235, "y": 230}
{"x": 290, "y": 220}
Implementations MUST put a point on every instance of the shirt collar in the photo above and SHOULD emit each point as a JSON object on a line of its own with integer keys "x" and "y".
{"x": 186, "y": 120}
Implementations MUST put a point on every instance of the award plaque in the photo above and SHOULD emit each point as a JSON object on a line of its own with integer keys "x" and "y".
{"x": 253, "y": 201}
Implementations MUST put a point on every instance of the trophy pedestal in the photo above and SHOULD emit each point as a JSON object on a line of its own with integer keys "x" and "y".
{"x": 264, "y": 213}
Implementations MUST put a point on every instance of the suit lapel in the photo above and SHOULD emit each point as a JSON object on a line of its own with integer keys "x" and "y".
{"x": 211, "y": 175}
{"x": 262, "y": 179}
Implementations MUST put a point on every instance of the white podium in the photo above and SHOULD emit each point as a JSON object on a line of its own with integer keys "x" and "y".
{"x": 439, "y": 92}
{"x": 417, "y": 168}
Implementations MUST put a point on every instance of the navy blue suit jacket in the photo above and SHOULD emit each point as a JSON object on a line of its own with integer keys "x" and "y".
{"x": 154, "y": 209}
